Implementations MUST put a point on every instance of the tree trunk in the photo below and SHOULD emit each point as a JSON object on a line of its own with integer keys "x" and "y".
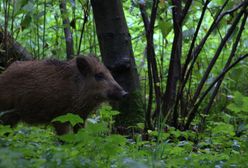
{"x": 117, "y": 55}
{"x": 175, "y": 65}
{"x": 67, "y": 31}
{"x": 12, "y": 51}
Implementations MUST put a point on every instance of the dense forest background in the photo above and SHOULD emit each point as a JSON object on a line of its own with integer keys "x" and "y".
{"x": 183, "y": 63}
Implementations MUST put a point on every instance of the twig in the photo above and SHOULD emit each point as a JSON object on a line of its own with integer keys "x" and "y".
{"x": 151, "y": 60}
{"x": 188, "y": 58}
{"x": 217, "y": 79}
{"x": 232, "y": 54}
{"x": 216, "y": 56}
{"x": 86, "y": 14}
{"x": 44, "y": 30}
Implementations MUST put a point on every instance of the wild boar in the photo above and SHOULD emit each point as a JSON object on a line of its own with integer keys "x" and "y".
{"x": 36, "y": 92}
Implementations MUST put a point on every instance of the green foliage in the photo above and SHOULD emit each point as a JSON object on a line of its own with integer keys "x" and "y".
{"x": 69, "y": 117}
{"x": 224, "y": 142}
{"x": 240, "y": 103}
{"x": 95, "y": 146}
{"x": 133, "y": 110}
{"x": 239, "y": 109}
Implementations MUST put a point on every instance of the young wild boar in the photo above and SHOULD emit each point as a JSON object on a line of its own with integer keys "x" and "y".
{"x": 38, "y": 91}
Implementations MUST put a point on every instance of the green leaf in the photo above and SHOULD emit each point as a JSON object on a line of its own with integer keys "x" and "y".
{"x": 18, "y": 6}
{"x": 97, "y": 129}
{"x": 176, "y": 133}
{"x": 177, "y": 151}
{"x": 26, "y": 22}
{"x": 69, "y": 138}
{"x": 28, "y": 7}
{"x": 4, "y": 129}
{"x": 240, "y": 103}
{"x": 165, "y": 27}
{"x": 73, "y": 119}
{"x": 233, "y": 107}
{"x": 223, "y": 128}
{"x": 141, "y": 126}
{"x": 117, "y": 139}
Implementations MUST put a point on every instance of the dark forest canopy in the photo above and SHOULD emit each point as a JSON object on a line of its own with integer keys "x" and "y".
{"x": 184, "y": 64}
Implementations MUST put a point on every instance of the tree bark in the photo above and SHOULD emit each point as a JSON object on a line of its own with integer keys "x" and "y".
{"x": 67, "y": 31}
{"x": 13, "y": 52}
{"x": 117, "y": 55}
{"x": 174, "y": 73}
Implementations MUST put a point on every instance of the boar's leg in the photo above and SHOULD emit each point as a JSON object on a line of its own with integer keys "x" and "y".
{"x": 77, "y": 127}
{"x": 61, "y": 128}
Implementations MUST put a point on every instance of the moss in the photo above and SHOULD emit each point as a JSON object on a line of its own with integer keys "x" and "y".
{"x": 131, "y": 110}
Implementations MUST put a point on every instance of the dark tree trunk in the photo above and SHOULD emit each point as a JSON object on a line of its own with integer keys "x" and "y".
{"x": 117, "y": 55}
{"x": 67, "y": 31}
{"x": 12, "y": 51}
{"x": 175, "y": 63}
{"x": 152, "y": 64}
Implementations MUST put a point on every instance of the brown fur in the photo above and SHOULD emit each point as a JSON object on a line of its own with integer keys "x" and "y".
{"x": 38, "y": 91}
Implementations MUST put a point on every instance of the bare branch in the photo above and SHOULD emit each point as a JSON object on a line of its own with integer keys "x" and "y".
{"x": 232, "y": 54}
{"x": 217, "y": 79}
{"x": 151, "y": 60}
{"x": 188, "y": 58}
{"x": 86, "y": 14}
{"x": 185, "y": 10}
{"x": 175, "y": 63}
{"x": 216, "y": 56}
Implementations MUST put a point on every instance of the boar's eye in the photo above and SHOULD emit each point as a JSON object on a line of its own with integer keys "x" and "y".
{"x": 99, "y": 76}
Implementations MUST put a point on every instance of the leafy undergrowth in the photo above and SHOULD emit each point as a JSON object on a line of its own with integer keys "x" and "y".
{"x": 94, "y": 146}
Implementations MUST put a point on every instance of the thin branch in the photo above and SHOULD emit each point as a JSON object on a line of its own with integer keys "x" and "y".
{"x": 195, "y": 53}
{"x": 188, "y": 58}
{"x": 44, "y": 30}
{"x": 217, "y": 79}
{"x": 232, "y": 54}
{"x": 217, "y": 27}
{"x": 86, "y": 15}
{"x": 185, "y": 10}
{"x": 6, "y": 21}
{"x": 151, "y": 60}
{"x": 216, "y": 56}
{"x": 150, "y": 77}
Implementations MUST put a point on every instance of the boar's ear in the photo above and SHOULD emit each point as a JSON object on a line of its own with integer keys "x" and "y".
{"x": 83, "y": 66}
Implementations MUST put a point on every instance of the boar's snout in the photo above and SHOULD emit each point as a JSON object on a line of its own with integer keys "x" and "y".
{"x": 117, "y": 94}
{"x": 124, "y": 94}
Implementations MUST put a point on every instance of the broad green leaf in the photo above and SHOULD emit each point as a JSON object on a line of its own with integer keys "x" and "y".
{"x": 26, "y": 22}
{"x": 233, "y": 107}
{"x": 177, "y": 151}
{"x": 117, "y": 139}
{"x": 4, "y": 129}
{"x": 141, "y": 125}
{"x": 29, "y": 7}
{"x": 240, "y": 103}
{"x": 97, "y": 129}
{"x": 223, "y": 128}
{"x": 165, "y": 27}
{"x": 18, "y": 6}
{"x": 69, "y": 138}
{"x": 73, "y": 119}
{"x": 176, "y": 133}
